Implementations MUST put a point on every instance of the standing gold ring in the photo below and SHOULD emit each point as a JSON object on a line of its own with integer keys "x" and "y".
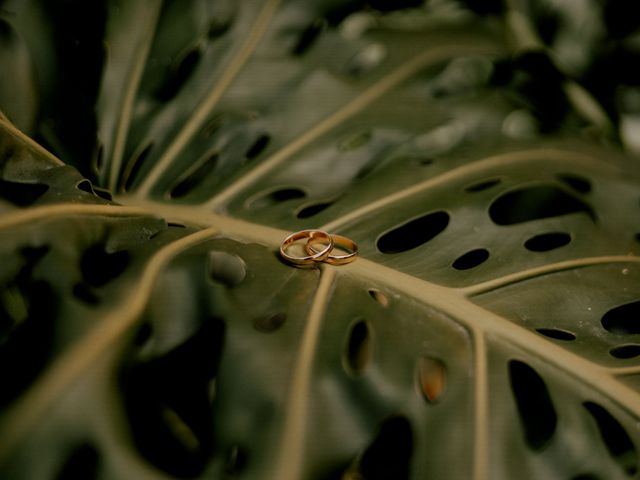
{"x": 314, "y": 255}
{"x": 339, "y": 240}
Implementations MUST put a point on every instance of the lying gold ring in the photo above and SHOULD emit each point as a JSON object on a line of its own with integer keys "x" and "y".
{"x": 315, "y": 255}
{"x": 339, "y": 240}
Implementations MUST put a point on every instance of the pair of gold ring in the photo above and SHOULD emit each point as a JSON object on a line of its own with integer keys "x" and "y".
{"x": 324, "y": 254}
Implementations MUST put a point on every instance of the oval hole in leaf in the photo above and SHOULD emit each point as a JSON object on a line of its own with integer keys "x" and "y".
{"x": 359, "y": 347}
{"x": 431, "y": 378}
{"x": 230, "y": 270}
{"x": 180, "y": 74}
{"x": 133, "y": 167}
{"x": 313, "y": 209}
{"x": 218, "y": 27}
{"x": 424, "y": 161}
{"x": 577, "y": 182}
{"x": 534, "y": 203}
{"x": 557, "y": 334}
{"x": 85, "y": 186}
{"x": 623, "y": 319}
{"x": 22, "y": 194}
{"x": 274, "y": 197}
{"x": 194, "y": 176}
{"x": 379, "y": 297}
{"x": 615, "y": 437}
{"x": 83, "y": 462}
{"x": 270, "y": 323}
{"x": 537, "y": 415}
{"x": 484, "y": 185}
{"x": 625, "y": 351}
{"x": 547, "y": 241}
{"x": 258, "y": 146}
{"x": 388, "y": 456}
{"x": 308, "y": 37}
{"x": 471, "y": 259}
{"x": 413, "y": 233}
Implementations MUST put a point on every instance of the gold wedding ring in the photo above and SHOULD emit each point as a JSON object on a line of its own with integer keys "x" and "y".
{"x": 315, "y": 255}
{"x": 338, "y": 240}
{"x": 329, "y": 242}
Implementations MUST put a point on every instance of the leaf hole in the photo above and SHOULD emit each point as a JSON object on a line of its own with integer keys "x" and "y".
{"x": 484, "y": 185}
{"x": 270, "y": 323}
{"x": 22, "y": 194}
{"x": 625, "y": 351}
{"x": 258, "y": 146}
{"x": 471, "y": 259}
{"x": 194, "y": 176}
{"x": 85, "y": 186}
{"x": 33, "y": 254}
{"x": 133, "y": 166}
{"x": 227, "y": 269}
{"x": 534, "y": 203}
{"x": 275, "y": 197}
{"x": 537, "y": 414}
{"x": 388, "y": 456}
{"x": 424, "y": 161}
{"x": 103, "y": 193}
{"x": 175, "y": 225}
{"x": 615, "y": 438}
{"x": 576, "y": 182}
{"x": 413, "y": 233}
{"x": 557, "y": 334}
{"x": 143, "y": 335}
{"x": 84, "y": 462}
{"x": 83, "y": 292}
{"x": 431, "y": 378}
{"x": 623, "y": 319}
{"x": 99, "y": 267}
{"x": 379, "y": 297}
{"x": 547, "y": 241}
{"x": 308, "y": 37}
{"x": 313, "y": 209}
{"x": 359, "y": 348}
{"x": 218, "y": 27}
{"x": 180, "y": 74}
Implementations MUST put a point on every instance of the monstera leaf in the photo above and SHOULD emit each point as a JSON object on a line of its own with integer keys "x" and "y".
{"x": 155, "y": 154}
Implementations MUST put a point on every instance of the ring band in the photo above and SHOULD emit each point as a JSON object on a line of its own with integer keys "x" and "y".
{"x": 338, "y": 240}
{"x": 314, "y": 255}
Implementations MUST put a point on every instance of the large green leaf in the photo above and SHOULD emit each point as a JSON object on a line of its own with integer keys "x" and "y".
{"x": 148, "y": 328}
